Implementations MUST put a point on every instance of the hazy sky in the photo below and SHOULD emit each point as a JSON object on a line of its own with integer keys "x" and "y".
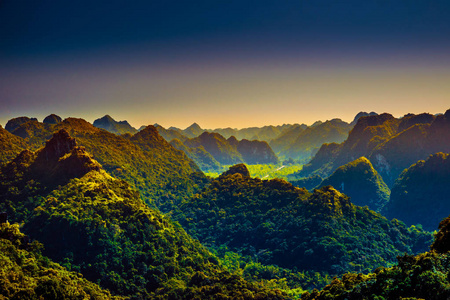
{"x": 223, "y": 63}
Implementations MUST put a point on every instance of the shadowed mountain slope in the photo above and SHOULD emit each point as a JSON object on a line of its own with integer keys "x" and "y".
{"x": 361, "y": 182}
{"x": 422, "y": 192}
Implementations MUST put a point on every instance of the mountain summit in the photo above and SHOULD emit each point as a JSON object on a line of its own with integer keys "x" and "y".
{"x": 111, "y": 125}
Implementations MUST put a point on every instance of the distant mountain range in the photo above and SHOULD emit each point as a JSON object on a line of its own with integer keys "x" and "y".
{"x": 391, "y": 144}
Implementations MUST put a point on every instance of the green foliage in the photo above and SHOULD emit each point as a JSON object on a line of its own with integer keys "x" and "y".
{"x": 424, "y": 276}
{"x": 420, "y": 195}
{"x": 202, "y": 158}
{"x": 162, "y": 174}
{"x": 308, "y": 183}
{"x": 265, "y": 171}
{"x": 10, "y": 146}
{"x": 26, "y": 274}
{"x": 278, "y": 224}
{"x": 361, "y": 182}
{"x": 98, "y": 226}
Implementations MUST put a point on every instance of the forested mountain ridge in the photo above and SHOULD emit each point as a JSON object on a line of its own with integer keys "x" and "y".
{"x": 10, "y": 146}
{"x": 162, "y": 173}
{"x": 421, "y": 194}
{"x": 26, "y": 274}
{"x": 231, "y": 151}
{"x": 361, "y": 182}
{"x": 97, "y": 225}
{"x": 111, "y": 125}
{"x": 424, "y": 276}
{"x": 290, "y": 227}
{"x": 390, "y": 144}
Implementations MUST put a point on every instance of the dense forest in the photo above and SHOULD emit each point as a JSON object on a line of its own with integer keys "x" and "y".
{"x": 108, "y": 211}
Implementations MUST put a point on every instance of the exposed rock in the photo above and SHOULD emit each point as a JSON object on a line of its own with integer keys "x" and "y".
{"x": 60, "y": 144}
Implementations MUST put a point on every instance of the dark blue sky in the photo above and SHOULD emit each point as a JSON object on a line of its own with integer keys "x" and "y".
{"x": 51, "y": 27}
{"x": 233, "y": 37}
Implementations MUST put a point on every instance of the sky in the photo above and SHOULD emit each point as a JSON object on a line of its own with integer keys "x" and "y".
{"x": 223, "y": 63}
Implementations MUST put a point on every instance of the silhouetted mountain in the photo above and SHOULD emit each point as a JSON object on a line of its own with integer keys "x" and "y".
{"x": 52, "y": 119}
{"x": 420, "y": 195}
{"x": 113, "y": 126}
{"x": 361, "y": 182}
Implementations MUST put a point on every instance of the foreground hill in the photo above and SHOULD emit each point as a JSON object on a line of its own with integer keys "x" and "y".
{"x": 424, "y": 276}
{"x": 390, "y": 144}
{"x": 98, "y": 226}
{"x": 26, "y": 274}
{"x": 111, "y": 125}
{"x": 290, "y": 227}
{"x": 161, "y": 172}
{"x": 361, "y": 182}
{"x": 421, "y": 193}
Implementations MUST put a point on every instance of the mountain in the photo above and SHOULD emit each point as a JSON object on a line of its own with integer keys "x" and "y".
{"x": 163, "y": 174}
{"x": 193, "y": 131}
{"x": 420, "y": 194}
{"x": 199, "y": 155}
{"x": 424, "y": 135}
{"x": 256, "y": 152}
{"x": 361, "y": 182}
{"x": 12, "y": 124}
{"x": 217, "y": 146}
{"x": 27, "y": 274}
{"x": 10, "y": 146}
{"x": 287, "y": 137}
{"x": 279, "y": 224}
{"x": 232, "y": 151}
{"x": 52, "y": 119}
{"x": 308, "y": 141}
{"x": 384, "y": 140}
{"x": 113, "y": 126}
{"x": 424, "y": 276}
{"x": 169, "y": 134}
{"x": 96, "y": 225}
{"x": 361, "y": 114}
